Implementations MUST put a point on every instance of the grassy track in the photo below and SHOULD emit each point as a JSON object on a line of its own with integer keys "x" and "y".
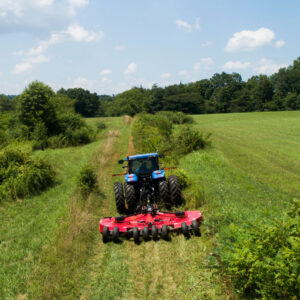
{"x": 151, "y": 270}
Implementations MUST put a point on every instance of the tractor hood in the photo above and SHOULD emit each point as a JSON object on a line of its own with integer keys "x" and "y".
{"x": 141, "y": 156}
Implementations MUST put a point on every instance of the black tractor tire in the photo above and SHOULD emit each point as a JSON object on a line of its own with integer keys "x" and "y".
{"x": 164, "y": 193}
{"x": 146, "y": 233}
{"x": 195, "y": 227}
{"x": 164, "y": 232}
{"x": 105, "y": 234}
{"x": 119, "y": 196}
{"x": 130, "y": 196}
{"x": 136, "y": 235}
{"x": 115, "y": 234}
{"x": 154, "y": 233}
{"x": 175, "y": 190}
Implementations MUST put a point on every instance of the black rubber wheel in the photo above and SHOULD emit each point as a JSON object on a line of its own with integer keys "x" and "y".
{"x": 154, "y": 233}
{"x": 136, "y": 235}
{"x": 164, "y": 193}
{"x": 130, "y": 197}
{"x": 115, "y": 234}
{"x": 195, "y": 227}
{"x": 146, "y": 233}
{"x": 105, "y": 234}
{"x": 185, "y": 229}
{"x": 164, "y": 232}
{"x": 119, "y": 196}
{"x": 175, "y": 190}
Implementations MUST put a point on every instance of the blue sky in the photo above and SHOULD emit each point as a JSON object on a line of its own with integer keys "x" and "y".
{"x": 110, "y": 46}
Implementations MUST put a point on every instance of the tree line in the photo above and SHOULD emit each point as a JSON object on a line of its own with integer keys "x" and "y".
{"x": 222, "y": 93}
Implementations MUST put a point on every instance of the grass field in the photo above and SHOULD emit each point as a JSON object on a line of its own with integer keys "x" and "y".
{"x": 50, "y": 246}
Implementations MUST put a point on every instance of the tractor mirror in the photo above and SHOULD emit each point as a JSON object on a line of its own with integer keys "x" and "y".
{"x": 161, "y": 156}
{"x": 121, "y": 161}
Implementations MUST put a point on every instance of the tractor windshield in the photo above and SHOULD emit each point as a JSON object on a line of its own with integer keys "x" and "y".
{"x": 143, "y": 166}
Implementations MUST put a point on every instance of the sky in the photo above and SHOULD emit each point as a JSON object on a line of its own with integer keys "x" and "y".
{"x": 110, "y": 46}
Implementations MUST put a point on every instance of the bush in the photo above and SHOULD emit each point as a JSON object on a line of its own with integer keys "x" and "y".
{"x": 87, "y": 180}
{"x": 100, "y": 126}
{"x": 182, "y": 177}
{"x": 21, "y": 176}
{"x": 177, "y": 117}
{"x": 188, "y": 139}
{"x": 264, "y": 262}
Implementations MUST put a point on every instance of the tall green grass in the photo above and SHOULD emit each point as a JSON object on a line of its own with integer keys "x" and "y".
{"x": 30, "y": 226}
{"x": 247, "y": 183}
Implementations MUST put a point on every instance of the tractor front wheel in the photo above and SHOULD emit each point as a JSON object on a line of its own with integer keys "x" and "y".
{"x": 119, "y": 196}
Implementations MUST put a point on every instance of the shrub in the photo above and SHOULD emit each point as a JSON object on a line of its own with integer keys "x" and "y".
{"x": 100, "y": 126}
{"x": 87, "y": 180}
{"x": 21, "y": 176}
{"x": 264, "y": 262}
{"x": 177, "y": 117}
{"x": 183, "y": 179}
{"x": 188, "y": 139}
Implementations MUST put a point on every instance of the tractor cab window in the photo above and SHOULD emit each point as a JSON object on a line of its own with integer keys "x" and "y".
{"x": 143, "y": 166}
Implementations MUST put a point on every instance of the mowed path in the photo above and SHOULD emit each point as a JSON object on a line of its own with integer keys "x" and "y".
{"x": 175, "y": 269}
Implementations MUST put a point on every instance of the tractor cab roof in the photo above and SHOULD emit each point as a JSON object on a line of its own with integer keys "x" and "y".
{"x": 141, "y": 156}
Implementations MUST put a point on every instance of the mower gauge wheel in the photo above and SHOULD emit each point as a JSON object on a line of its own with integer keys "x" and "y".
{"x": 105, "y": 234}
{"x": 154, "y": 233}
{"x": 136, "y": 235}
{"x": 115, "y": 234}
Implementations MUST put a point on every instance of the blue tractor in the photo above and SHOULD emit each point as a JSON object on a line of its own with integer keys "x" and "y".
{"x": 145, "y": 184}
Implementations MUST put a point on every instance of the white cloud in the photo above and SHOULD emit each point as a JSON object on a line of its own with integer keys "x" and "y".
{"x": 267, "y": 66}
{"x": 22, "y": 68}
{"x": 185, "y": 26}
{"x": 74, "y": 33}
{"x": 132, "y": 68}
{"x": 105, "y": 72}
{"x": 279, "y": 43}
{"x": 248, "y": 40}
{"x": 77, "y": 33}
{"x": 235, "y": 65}
{"x": 165, "y": 75}
{"x": 78, "y": 3}
{"x": 182, "y": 73}
{"x": 205, "y": 63}
{"x": 207, "y": 44}
{"x": 37, "y": 16}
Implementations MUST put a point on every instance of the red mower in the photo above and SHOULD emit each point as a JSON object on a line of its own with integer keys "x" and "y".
{"x": 146, "y": 185}
{"x": 150, "y": 222}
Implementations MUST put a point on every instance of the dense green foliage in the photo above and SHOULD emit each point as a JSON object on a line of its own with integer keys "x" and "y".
{"x": 157, "y": 132}
{"x": 21, "y": 175}
{"x": 264, "y": 261}
{"x": 44, "y": 117}
{"x": 87, "y": 180}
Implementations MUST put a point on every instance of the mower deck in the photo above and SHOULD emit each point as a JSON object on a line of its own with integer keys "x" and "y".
{"x": 152, "y": 223}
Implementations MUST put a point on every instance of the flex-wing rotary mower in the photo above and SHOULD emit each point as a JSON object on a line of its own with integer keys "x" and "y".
{"x": 146, "y": 186}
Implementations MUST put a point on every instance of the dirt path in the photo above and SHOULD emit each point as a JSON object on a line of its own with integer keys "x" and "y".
{"x": 175, "y": 269}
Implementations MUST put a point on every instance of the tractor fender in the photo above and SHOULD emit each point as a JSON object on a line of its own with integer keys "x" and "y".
{"x": 131, "y": 178}
{"x": 159, "y": 174}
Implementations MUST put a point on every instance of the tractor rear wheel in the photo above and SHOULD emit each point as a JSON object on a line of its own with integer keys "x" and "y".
{"x": 175, "y": 190}
{"x": 164, "y": 193}
{"x": 130, "y": 197}
{"x": 119, "y": 196}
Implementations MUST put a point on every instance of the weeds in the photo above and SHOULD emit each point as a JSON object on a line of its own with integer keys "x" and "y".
{"x": 21, "y": 175}
{"x": 87, "y": 180}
